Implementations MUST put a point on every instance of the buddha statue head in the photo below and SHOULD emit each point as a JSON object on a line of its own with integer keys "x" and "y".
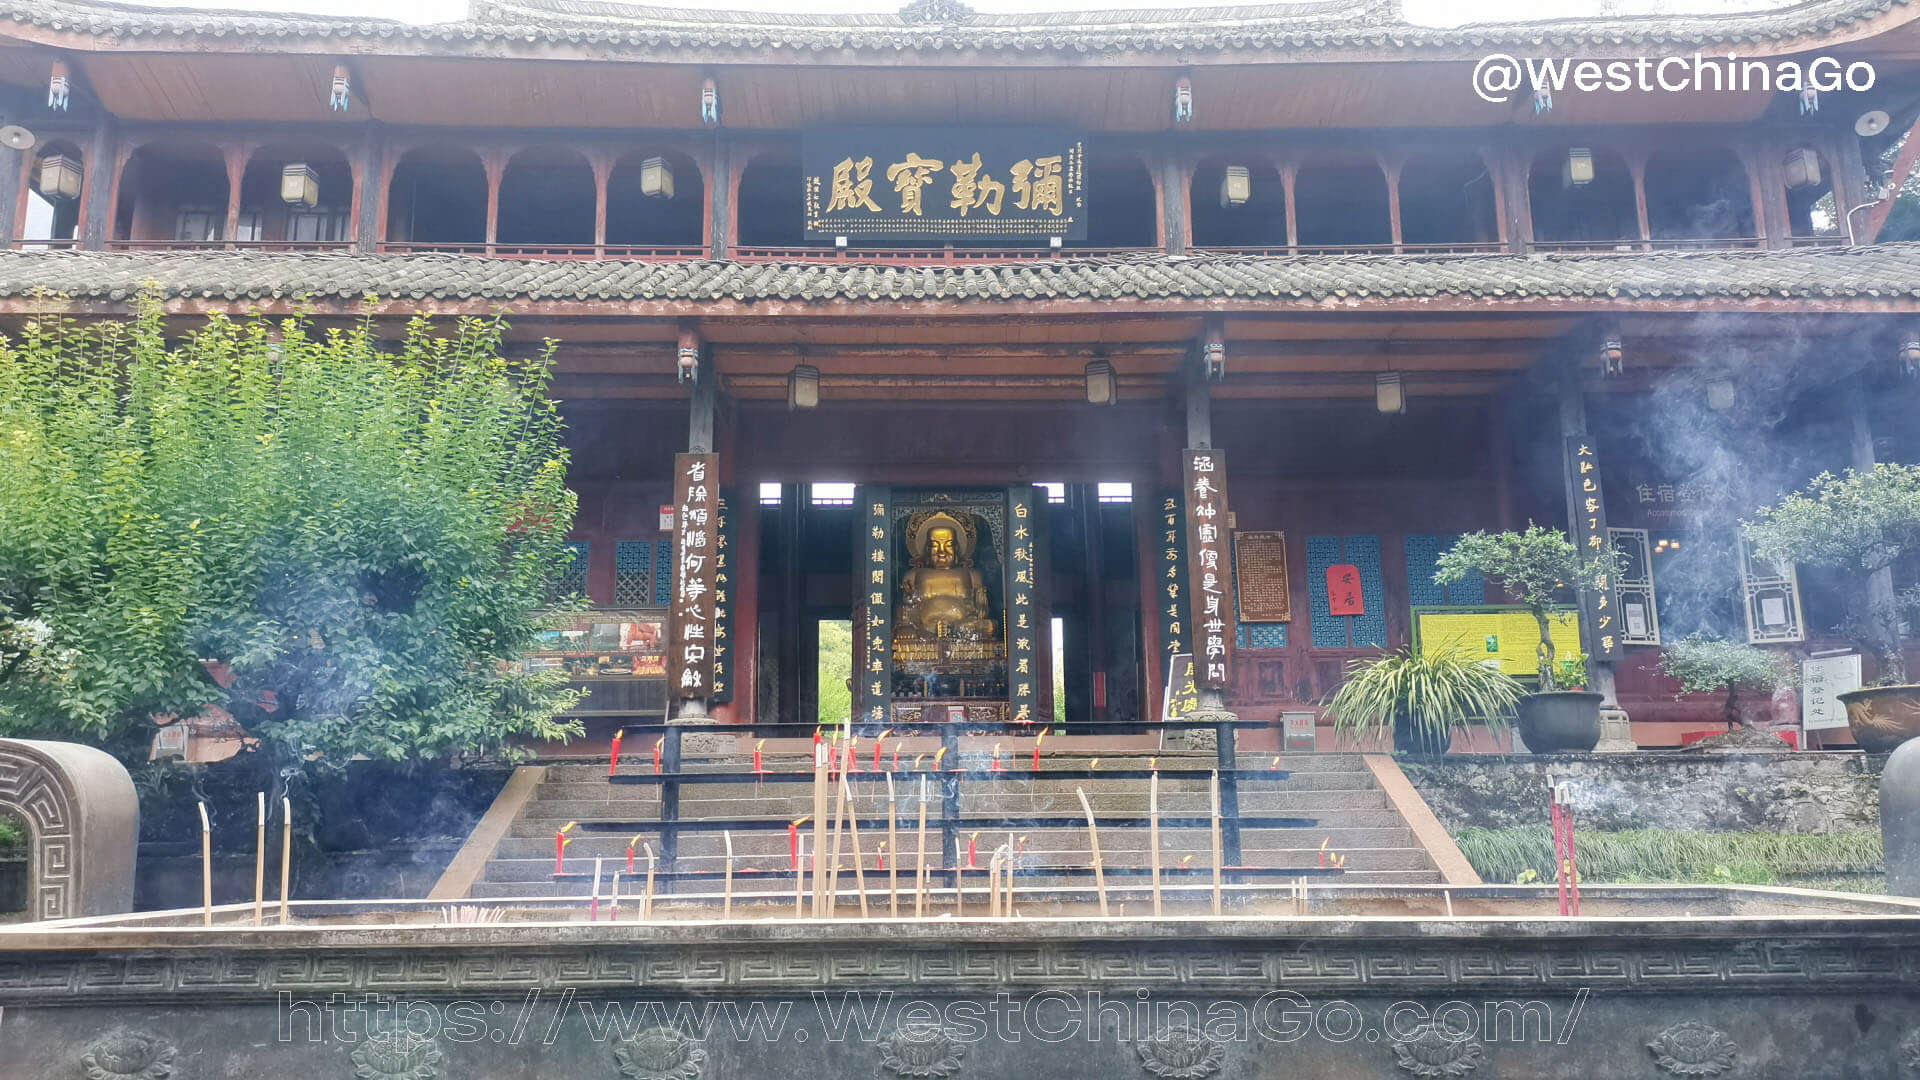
{"x": 940, "y": 541}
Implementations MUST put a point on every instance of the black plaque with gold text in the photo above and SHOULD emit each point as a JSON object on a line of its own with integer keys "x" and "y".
{"x": 1209, "y": 570}
{"x": 691, "y": 622}
{"x": 1260, "y": 576}
{"x": 944, "y": 185}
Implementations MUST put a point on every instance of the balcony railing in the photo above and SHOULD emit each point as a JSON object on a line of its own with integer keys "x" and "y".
{"x": 651, "y": 252}
{"x": 67, "y": 244}
{"x": 1633, "y": 246}
{"x": 230, "y": 245}
{"x": 1478, "y": 247}
{"x": 920, "y": 256}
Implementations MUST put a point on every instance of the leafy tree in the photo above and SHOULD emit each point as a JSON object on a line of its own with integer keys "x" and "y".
{"x": 1537, "y": 567}
{"x": 1704, "y": 665}
{"x": 342, "y": 541}
{"x": 1856, "y": 522}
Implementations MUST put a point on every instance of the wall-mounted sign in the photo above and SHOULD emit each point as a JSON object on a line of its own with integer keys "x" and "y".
{"x": 1023, "y": 631}
{"x": 1345, "y": 596}
{"x": 873, "y": 569}
{"x": 1209, "y": 570}
{"x": 1260, "y": 576}
{"x": 955, "y": 184}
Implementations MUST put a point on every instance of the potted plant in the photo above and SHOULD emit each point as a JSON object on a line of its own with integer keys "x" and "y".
{"x": 1863, "y": 524}
{"x": 1422, "y": 698}
{"x": 1538, "y": 568}
{"x": 1706, "y": 665}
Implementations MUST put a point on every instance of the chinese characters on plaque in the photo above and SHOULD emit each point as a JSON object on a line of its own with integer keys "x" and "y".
{"x": 1180, "y": 696}
{"x": 949, "y": 183}
{"x": 1599, "y": 607}
{"x": 696, "y": 499}
{"x": 722, "y": 604}
{"x": 1023, "y": 665}
{"x": 1345, "y": 593}
{"x": 1822, "y": 681}
{"x": 1260, "y": 580}
{"x": 874, "y": 683}
{"x": 1173, "y": 575}
{"x": 1209, "y": 571}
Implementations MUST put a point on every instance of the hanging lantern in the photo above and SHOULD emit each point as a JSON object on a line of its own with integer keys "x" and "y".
{"x": 1183, "y": 100}
{"x": 59, "y": 177}
{"x": 803, "y": 387}
{"x": 1389, "y": 393}
{"x": 709, "y": 103}
{"x": 1542, "y": 99}
{"x": 1802, "y": 167}
{"x": 1236, "y": 184}
{"x": 299, "y": 184}
{"x": 687, "y": 356}
{"x": 1809, "y": 100}
{"x": 1910, "y": 356}
{"x": 59, "y": 87}
{"x": 1101, "y": 386}
{"x": 1612, "y": 357}
{"x": 1578, "y": 171}
{"x": 656, "y": 178}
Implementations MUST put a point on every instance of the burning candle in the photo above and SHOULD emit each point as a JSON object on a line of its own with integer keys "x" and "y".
{"x": 1323, "y": 852}
{"x": 1094, "y": 764}
{"x": 973, "y": 852}
{"x": 848, "y": 762}
{"x": 793, "y": 840}
{"x": 1276, "y": 761}
{"x": 1036, "y": 749}
{"x": 896, "y": 756}
{"x": 877, "y": 744}
{"x": 996, "y": 757}
{"x": 756, "y": 756}
{"x": 1186, "y": 861}
{"x": 1021, "y": 848}
{"x": 560, "y": 842}
{"x": 937, "y": 756}
{"x": 658, "y": 745}
{"x": 917, "y": 759}
{"x": 883, "y": 855}
{"x": 613, "y": 766}
{"x": 1153, "y": 764}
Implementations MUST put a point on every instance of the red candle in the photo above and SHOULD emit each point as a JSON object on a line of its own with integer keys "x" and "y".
{"x": 883, "y": 855}
{"x": 630, "y": 846}
{"x": 1323, "y": 852}
{"x": 658, "y": 744}
{"x": 996, "y": 757}
{"x": 973, "y": 852}
{"x": 896, "y": 755}
{"x": 793, "y": 840}
{"x": 1036, "y": 749}
{"x": 756, "y": 756}
{"x": 560, "y": 842}
{"x": 614, "y": 765}
{"x": 878, "y": 742}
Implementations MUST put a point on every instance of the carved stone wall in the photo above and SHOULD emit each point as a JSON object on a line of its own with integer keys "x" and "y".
{"x": 80, "y": 807}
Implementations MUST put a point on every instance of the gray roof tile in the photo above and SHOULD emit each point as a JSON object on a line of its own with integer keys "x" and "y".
{"x": 1887, "y": 271}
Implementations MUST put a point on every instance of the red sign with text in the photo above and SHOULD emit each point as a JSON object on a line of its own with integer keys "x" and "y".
{"x": 1344, "y": 594}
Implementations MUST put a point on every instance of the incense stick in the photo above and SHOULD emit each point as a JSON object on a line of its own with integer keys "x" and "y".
{"x": 833, "y": 856}
{"x": 820, "y": 751}
{"x": 893, "y": 845}
{"x": 206, "y": 867}
{"x": 646, "y": 898}
{"x": 920, "y": 869}
{"x": 286, "y": 852}
{"x": 260, "y": 862}
{"x": 1218, "y": 908}
{"x": 853, "y": 838}
{"x": 1153, "y": 834}
{"x": 726, "y": 905}
{"x": 1093, "y": 842}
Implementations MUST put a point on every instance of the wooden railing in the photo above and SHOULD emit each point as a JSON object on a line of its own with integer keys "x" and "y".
{"x": 1477, "y": 247}
{"x": 230, "y": 245}
{"x": 587, "y": 252}
{"x": 920, "y": 256}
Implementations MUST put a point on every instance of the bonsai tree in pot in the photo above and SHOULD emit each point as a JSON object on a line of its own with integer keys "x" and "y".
{"x": 1539, "y": 568}
{"x": 1706, "y": 665}
{"x": 1863, "y": 524}
{"x": 1422, "y": 698}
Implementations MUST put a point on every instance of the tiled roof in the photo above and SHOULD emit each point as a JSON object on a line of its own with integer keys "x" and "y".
{"x": 1888, "y": 272}
{"x": 948, "y": 25}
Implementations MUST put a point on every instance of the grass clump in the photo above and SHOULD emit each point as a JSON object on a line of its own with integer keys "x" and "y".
{"x": 1669, "y": 856}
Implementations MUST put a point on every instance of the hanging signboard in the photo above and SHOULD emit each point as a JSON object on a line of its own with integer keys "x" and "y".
{"x": 1822, "y": 681}
{"x": 1023, "y": 632}
{"x": 1260, "y": 576}
{"x": 722, "y": 604}
{"x": 873, "y": 565}
{"x": 1209, "y": 571}
{"x": 696, "y": 499}
{"x": 944, "y": 184}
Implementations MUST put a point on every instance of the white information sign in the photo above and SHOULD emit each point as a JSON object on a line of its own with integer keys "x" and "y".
{"x": 1822, "y": 681}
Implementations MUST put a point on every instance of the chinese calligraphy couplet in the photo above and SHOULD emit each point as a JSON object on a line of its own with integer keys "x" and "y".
{"x": 722, "y": 679}
{"x": 1599, "y": 608}
{"x": 1023, "y": 623}
{"x": 1171, "y": 582}
{"x": 1209, "y": 568}
{"x": 873, "y": 551}
{"x": 691, "y": 621}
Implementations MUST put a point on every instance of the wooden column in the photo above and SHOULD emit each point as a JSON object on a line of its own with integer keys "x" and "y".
{"x": 1615, "y": 732}
{"x": 1147, "y": 570}
{"x": 1095, "y": 610}
{"x": 236, "y": 160}
{"x": 602, "y": 166}
{"x": 745, "y": 707}
{"x": 1199, "y": 394}
{"x": 792, "y": 595}
{"x": 369, "y": 192}
{"x": 719, "y": 189}
{"x": 702, "y": 405}
{"x": 1880, "y": 604}
{"x": 104, "y": 157}
{"x": 1516, "y": 179}
{"x": 1287, "y": 175}
{"x": 1176, "y": 206}
{"x": 1767, "y": 190}
{"x": 1391, "y": 169}
{"x": 1637, "y": 165}
{"x": 496, "y": 167}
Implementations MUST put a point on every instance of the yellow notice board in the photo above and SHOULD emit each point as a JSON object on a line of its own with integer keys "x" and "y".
{"x": 1509, "y": 635}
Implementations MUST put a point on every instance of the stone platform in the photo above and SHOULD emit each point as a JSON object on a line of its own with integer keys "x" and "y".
{"x": 1350, "y": 981}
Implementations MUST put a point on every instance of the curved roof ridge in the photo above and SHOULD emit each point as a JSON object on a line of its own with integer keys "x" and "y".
{"x": 1359, "y": 12}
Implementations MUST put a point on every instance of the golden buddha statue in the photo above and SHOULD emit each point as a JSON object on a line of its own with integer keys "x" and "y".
{"x": 942, "y": 595}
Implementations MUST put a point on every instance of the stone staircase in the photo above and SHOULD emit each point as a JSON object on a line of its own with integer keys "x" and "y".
{"x": 1353, "y": 814}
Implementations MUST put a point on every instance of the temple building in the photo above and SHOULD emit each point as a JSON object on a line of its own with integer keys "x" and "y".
{"x": 1075, "y": 368}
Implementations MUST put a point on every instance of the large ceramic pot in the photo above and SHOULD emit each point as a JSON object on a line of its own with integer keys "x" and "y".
{"x": 1883, "y": 717}
{"x": 1411, "y": 738}
{"x": 1562, "y": 722}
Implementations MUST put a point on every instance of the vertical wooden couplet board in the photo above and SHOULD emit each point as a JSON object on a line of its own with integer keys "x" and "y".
{"x": 1587, "y": 506}
{"x": 873, "y": 576}
{"x": 1209, "y": 567}
{"x": 696, "y": 522}
{"x": 1171, "y": 583}
{"x": 1022, "y": 629}
{"x": 723, "y": 568}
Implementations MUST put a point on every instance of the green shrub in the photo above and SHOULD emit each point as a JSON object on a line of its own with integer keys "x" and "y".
{"x": 1669, "y": 856}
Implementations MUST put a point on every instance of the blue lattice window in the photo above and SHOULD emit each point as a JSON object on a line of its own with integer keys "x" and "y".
{"x": 1262, "y": 635}
{"x": 573, "y": 577}
{"x": 632, "y": 573}
{"x": 1330, "y": 631}
{"x": 1423, "y": 554}
{"x": 663, "y": 573}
